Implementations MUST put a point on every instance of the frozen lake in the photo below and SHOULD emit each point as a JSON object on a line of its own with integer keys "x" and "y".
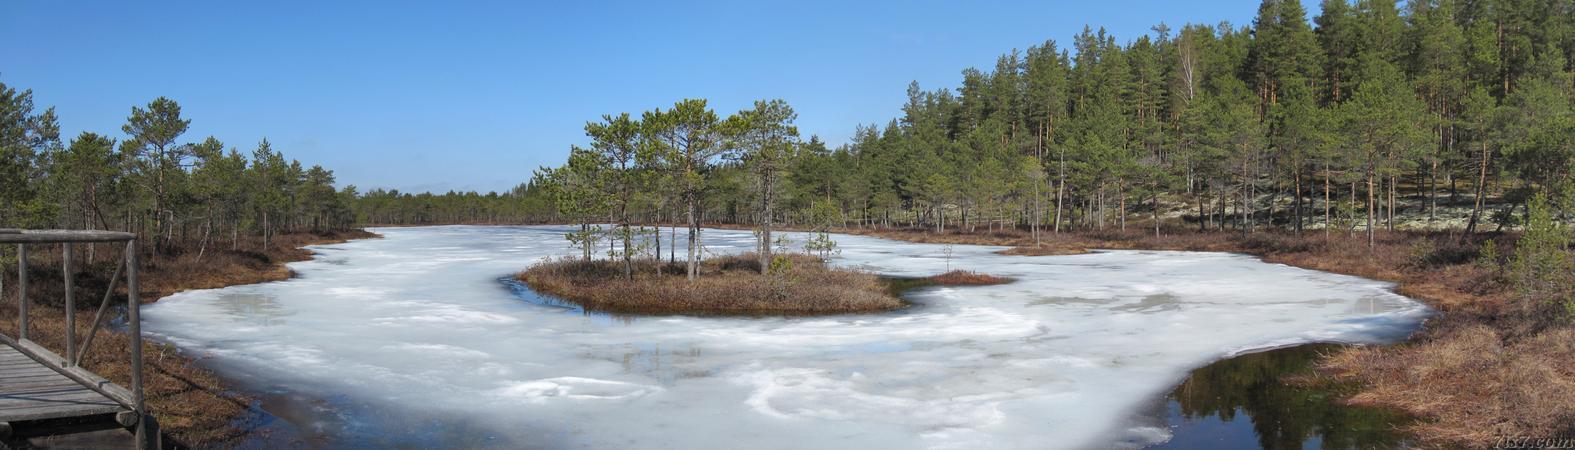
{"x": 415, "y": 339}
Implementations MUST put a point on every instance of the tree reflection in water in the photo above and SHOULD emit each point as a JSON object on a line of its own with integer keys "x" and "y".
{"x": 1246, "y": 402}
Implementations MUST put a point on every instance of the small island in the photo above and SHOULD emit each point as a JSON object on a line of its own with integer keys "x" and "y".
{"x": 795, "y": 284}
{"x": 966, "y": 278}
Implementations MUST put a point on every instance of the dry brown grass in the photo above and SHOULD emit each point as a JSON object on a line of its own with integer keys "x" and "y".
{"x": 193, "y": 405}
{"x": 1471, "y": 384}
{"x": 967, "y": 278}
{"x": 729, "y": 285}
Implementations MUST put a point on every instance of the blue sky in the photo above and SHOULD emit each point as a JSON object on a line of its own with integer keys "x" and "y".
{"x": 473, "y": 95}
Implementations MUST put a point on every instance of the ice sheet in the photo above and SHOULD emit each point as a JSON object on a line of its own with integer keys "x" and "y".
{"x": 417, "y": 338}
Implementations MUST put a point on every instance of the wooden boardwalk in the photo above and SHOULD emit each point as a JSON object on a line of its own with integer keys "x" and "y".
{"x": 31, "y": 391}
{"x": 46, "y": 396}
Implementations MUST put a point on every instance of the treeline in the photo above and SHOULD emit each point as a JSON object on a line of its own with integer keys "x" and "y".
{"x": 1453, "y": 113}
{"x": 523, "y": 204}
{"x": 1456, "y": 112}
{"x": 150, "y": 181}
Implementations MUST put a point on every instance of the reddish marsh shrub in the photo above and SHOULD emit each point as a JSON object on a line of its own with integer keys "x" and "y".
{"x": 967, "y": 278}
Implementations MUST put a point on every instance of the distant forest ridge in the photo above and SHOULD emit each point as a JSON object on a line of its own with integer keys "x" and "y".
{"x": 1457, "y": 112}
{"x": 1430, "y": 108}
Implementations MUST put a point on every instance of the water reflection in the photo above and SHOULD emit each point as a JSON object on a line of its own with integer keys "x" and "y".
{"x": 1248, "y": 402}
{"x": 666, "y": 366}
{"x": 257, "y": 308}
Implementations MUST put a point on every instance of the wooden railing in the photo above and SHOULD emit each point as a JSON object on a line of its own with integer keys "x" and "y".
{"x": 137, "y": 416}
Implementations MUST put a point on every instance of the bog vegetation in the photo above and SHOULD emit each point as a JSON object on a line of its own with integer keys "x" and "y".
{"x": 733, "y": 285}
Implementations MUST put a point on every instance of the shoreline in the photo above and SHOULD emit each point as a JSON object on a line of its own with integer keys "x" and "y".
{"x": 1269, "y": 247}
{"x": 196, "y": 407}
{"x": 1159, "y": 395}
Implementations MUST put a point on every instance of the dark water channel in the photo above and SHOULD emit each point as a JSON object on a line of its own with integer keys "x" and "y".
{"x": 1253, "y": 401}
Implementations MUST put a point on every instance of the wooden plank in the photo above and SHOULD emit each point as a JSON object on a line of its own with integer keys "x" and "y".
{"x": 57, "y": 236}
{"x": 17, "y": 360}
{"x": 58, "y": 411}
{"x": 51, "y": 397}
{"x": 89, "y": 379}
{"x": 51, "y": 394}
{"x": 31, "y": 390}
{"x": 32, "y": 365}
{"x": 57, "y": 401}
{"x": 38, "y": 390}
{"x": 10, "y": 354}
{"x": 19, "y": 381}
{"x": 25, "y": 372}
{"x": 44, "y": 389}
{"x": 23, "y": 367}
{"x": 38, "y": 385}
{"x": 30, "y": 384}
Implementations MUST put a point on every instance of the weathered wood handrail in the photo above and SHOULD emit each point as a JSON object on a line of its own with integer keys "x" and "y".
{"x": 69, "y": 365}
{"x": 64, "y": 236}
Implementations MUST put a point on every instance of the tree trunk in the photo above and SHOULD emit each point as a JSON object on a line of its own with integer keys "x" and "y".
{"x": 1219, "y": 225}
{"x": 1060, "y": 189}
{"x": 1122, "y": 204}
{"x": 1476, "y": 209}
{"x": 266, "y": 231}
{"x": 1432, "y": 192}
{"x": 585, "y": 243}
{"x": 207, "y": 230}
{"x": 765, "y": 223}
{"x": 1246, "y": 197}
{"x": 1371, "y": 242}
{"x": 1391, "y": 223}
{"x": 1039, "y": 165}
{"x": 1326, "y": 223}
{"x": 1296, "y": 201}
{"x": 1099, "y": 199}
{"x": 1203, "y": 221}
{"x": 1154, "y": 197}
{"x": 694, "y": 235}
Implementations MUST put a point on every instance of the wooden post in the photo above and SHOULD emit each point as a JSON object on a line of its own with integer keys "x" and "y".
{"x": 98, "y": 317}
{"x": 71, "y": 305}
{"x": 21, "y": 290}
{"x": 134, "y": 326}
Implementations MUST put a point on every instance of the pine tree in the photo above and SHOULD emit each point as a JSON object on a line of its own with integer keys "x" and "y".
{"x": 688, "y": 139}
{"x": 1338, "y": 35}
{"x": 1383, "y": 121}
{"x": 620, "y": 143}
{"x": 766, "y": 140}
{"x": 158, "y": 160}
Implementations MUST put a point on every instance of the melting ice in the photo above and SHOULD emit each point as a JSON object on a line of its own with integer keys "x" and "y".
{"x": 419, "y": 339}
